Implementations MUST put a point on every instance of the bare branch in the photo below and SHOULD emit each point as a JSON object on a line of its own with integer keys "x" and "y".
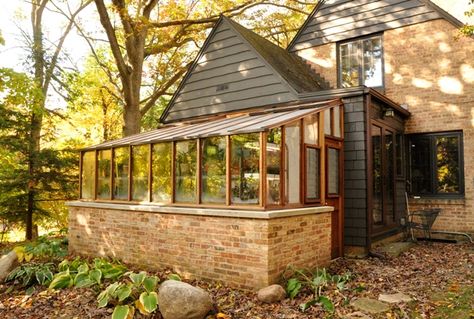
{"x": 155, "y": 95}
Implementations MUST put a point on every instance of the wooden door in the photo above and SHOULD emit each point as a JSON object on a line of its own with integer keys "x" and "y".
{"x": 334, "y": 193}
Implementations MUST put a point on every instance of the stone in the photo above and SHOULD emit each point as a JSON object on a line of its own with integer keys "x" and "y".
{"x": 7, "y": 263}
{"x": 179, "y": 300}
{"x": 271, "y": 294}
{"x": 356, "y": 315}
{"x": 370, "y": 305}
{"x": 395, "y": 298}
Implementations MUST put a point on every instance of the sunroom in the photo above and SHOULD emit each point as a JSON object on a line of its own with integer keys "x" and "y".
{"x": 242, "y": 194}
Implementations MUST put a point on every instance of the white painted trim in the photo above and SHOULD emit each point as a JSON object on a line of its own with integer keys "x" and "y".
{"x": 251, "y": 214}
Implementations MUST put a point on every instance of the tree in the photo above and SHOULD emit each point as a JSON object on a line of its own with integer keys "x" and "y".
{"x": 53, "y": 173}
{"x": 45, "y": 67}
{"x": 169, "y": 31}
{"x": 468, "y": 29}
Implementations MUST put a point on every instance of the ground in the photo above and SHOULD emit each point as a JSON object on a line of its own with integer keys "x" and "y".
{"x": 438, "y": 276}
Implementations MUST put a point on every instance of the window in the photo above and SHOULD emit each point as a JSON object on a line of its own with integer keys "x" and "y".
{"x": 186, "y": 164}
{"x": 213, "y": 170}
{"x": 292, "y": 161}
{"x": 361, "y": 62}
{"x": 140, "y": 169}
{"x": 245, "y": 161}
{"x": 312, "y": 174}
{"x": 88, "y": 175}
{"x": 121, "y": 167}
{"x": 104, "y": 159}
{"x": 273, "y": 165}
{"x": 161, "y": 172}
{"x": 435, "y": 164}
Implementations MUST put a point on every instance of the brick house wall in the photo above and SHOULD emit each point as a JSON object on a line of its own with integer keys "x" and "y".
{"x": 430, "y": 68}
{"x": 248, "y": 253}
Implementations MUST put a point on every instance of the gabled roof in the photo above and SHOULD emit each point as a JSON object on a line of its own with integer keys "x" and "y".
{"x": 289, "y": 66}
{"x": 238, "y": 69}
{"x": 336, "y": 20}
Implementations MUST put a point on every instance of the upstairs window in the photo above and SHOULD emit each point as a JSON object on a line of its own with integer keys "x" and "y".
{"x": 361, "y": 62}
{"x": 435, "y": 164}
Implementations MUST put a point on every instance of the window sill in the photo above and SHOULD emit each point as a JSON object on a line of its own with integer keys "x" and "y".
{"x": 438, "y": 200}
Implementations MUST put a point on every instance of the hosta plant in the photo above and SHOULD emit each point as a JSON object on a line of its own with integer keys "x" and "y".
{"x": 31, "y": 273}
{"x": 137, "y": 292}
{"x": 317, "y": 282}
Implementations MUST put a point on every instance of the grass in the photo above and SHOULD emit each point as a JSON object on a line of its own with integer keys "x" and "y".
{"x": 456, "y": 303}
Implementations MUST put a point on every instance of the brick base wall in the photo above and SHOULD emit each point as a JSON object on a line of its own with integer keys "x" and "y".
{"x": 242, "y": 252}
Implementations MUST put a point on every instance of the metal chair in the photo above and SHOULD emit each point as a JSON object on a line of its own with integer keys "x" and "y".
{"x": 422, "y": 220}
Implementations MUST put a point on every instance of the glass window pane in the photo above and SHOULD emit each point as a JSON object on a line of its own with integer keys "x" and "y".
{"x": 399, "y": 154}
{"x": 421, "y": 181}
{"x": 104, "y": 159}
{"x": 312, "y": 173}
{"x": 390, "y": 176}
{"x": 333, "y": 171}
{"x": 292, "y": 155}
{"x": 245, "y": 177}
{"x": 337, "y": 121}
{"x": 327, "y": 122}
{"x": 373, "y": 62}
{"x": 311, "y": 129}
{"x": 121, "y": 168}
{"x": 140, "y": 168}
{"x": 213, "y": 170}
{"x": 273, "y": 165}
{"x": 88, "y": 175}
{"x": 349, "y": 64}
{"x": 186, "y": 156}
{"x": 447, "y": 164}
{"x": 377, "y": 200}
{"x": 161, "y": 172}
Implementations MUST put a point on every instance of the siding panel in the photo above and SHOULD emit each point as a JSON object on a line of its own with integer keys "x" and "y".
{"x": 229, "y": 75}
{"x": 341, "y": 19}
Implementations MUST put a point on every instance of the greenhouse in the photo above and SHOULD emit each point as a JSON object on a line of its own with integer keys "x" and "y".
{"x": 243, "y": 161}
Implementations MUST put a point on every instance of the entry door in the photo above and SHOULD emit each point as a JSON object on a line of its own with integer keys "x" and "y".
{"x": 383, "y": 195}
{"x": 334, "y": 193}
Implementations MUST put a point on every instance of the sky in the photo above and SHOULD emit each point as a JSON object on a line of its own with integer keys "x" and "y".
{"x": 14, "y": 14}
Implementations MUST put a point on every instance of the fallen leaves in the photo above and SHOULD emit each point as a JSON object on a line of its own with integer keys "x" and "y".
{"x": 423, "y": 272}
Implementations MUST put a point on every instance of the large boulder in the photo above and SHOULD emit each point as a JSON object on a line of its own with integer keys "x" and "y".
{"x": 7, "y": 263}
{"x": 179, "y": 300}
{"x": 271, "y": 294}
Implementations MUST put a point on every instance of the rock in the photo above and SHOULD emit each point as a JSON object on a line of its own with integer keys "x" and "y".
{"x": 271, "y": 294}
{"x": 356, "y": 315}
{"x": 395, "y": 298}
{"x": 370, "y": 305}
{"x": 179, "y": 300}
{"x": 7, "y": 263}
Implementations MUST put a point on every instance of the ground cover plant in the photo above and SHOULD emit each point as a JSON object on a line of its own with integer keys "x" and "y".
{"x": 439, "y": 277}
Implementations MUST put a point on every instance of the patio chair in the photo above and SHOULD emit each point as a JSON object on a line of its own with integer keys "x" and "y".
{"x": 422, "y": 220}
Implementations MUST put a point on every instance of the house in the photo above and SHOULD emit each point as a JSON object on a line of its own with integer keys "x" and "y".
{"x": 269, "y": 157}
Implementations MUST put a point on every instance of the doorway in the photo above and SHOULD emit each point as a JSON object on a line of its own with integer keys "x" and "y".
{"x": 383, "y": 177}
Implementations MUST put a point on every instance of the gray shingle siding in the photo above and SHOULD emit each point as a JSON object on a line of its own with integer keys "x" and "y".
{"x": 338, "y": 20}
{"x": 355, "y": 173}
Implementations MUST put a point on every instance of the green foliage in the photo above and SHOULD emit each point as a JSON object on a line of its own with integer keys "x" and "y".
{"x": 317, "y": 282}
{"x": 137, "y": 292}
{"x": 468, "y": 29}
{"x": 174, "y": 277}
{"x": 79, "y": 273}
{"x": 31, "y": 273}
{"x": 28, "y": 173}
